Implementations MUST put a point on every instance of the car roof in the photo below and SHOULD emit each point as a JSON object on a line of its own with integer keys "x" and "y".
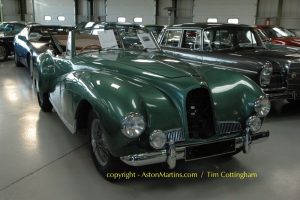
{"x": 207, "y": 25}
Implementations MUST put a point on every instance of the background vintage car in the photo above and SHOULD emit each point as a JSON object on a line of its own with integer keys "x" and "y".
{"x": 8, "y": 30}
{"x": 145, "y": 107}
{"x": 237, "y": 48}
{"x": 33, "y": 40}
{"x": 279, "y": 35}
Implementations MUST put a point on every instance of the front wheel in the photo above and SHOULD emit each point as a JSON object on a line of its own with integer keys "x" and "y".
{"x": 44, "y": 102}
{"x": 104, "y": 161}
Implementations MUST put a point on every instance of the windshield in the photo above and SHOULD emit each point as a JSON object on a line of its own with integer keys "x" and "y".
{"x": 277, "y": 32}
{"x": 231, "y": 38}
{"x": 2, "y": 26}
{"x": 132, "y": 39}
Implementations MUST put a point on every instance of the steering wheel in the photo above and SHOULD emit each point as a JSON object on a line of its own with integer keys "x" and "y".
{"x": 92, "y": 46}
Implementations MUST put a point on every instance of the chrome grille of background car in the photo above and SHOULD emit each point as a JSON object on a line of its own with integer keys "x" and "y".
{"x": 226, "y": 128}
{"x": 177, "y": 135}
{"x": 277, "y": 81}
{"x": 294, "y": 77}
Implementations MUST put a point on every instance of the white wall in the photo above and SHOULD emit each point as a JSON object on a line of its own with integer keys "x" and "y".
{"x": 184, "y": 11}
{"x": 245, "y": 10}
{"x": 10, "y": 10}
{"x": 131, "y": 9}
{"x": 162, "y": 15}
{"x": 267, "y": 9}
{"x": 55, "y": 8}
{"x": 290, "y": 14}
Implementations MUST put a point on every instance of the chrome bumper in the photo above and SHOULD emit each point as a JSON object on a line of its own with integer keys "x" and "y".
{"x": 172, "y": 153}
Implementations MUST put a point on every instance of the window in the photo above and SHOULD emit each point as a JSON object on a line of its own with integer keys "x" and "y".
{"x": 121, "y": 19}
{"x": 222, "y": 39}
{"x": 172, "y": 38}
{"x": 233, "y": 21}
{"x": 218, "y": 39}
{"x": 61, "y": 18}
{"x": 191, "y": 39}
{"x": 138, "y": 20}
{"x": 212, "y": 20}
{"x": 47, "y": 18}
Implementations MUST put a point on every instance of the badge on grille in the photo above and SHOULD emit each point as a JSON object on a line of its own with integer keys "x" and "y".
{"x": 293, "y": 75}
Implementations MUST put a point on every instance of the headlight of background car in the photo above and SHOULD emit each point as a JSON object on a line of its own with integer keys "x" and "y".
{"x": 265, "y": 74}
{"x": 262, "y": 106}
{"x": 133, "y": 125}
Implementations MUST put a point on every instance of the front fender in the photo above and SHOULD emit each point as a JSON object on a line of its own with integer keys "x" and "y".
{"x": 233, "y": 94}
{"x": 114, "y": 96}
{"x": 45, "y": 72}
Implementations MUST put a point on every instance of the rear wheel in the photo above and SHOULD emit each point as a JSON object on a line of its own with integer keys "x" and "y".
{"x": 3, "y": 53}
{"x": 44, "y": 102}
{"x": 104, "y": 161}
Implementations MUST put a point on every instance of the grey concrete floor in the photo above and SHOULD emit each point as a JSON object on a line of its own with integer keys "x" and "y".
{"x": 41, "y": 160}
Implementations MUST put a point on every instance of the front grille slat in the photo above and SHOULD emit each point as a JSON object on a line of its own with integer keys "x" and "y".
{"x": 177, "y": 135}
{"x": 228, "y": 127}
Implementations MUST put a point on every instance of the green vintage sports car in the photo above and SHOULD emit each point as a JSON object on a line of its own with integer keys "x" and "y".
{"x": 142, "y": 107}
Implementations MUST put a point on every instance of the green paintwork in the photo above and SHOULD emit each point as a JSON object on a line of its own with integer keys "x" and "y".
{"x": 118, "y": 82}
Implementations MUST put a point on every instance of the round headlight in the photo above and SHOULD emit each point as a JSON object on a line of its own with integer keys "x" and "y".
{"x": 158, "y": 139}
{"x": 262, "y": 106}
{"x": 254, "y": 123}
{"x": 133, "y": 125}
{"x": 266, "y": 74}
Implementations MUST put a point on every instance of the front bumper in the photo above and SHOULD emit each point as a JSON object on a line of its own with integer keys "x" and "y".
{"x": 171, "y": 154}
{"x": 282, "y": 93}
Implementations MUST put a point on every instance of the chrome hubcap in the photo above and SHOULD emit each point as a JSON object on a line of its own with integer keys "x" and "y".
{"x": 100, "y": 149}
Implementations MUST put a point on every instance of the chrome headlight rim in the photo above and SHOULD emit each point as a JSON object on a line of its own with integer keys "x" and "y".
{"x": 157, "y": 134}
{"x": 131, "y": 120}
{"x": 254, "y": 123}
{"x": 262, "y": 106}
{"x": 266, "y": 74}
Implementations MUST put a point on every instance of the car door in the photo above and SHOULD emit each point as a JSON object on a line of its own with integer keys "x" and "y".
{"x": 61, "y": 97}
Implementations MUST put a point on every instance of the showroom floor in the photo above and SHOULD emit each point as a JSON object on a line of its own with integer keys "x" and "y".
{"x": 40, "y": 159}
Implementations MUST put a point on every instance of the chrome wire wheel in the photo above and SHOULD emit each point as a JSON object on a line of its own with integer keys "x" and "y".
{"x": 98, "y": 143}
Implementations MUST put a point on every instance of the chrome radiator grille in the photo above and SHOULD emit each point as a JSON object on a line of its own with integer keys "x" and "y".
{"x": 177, "y": 135}
{"x": 226, "y": 128}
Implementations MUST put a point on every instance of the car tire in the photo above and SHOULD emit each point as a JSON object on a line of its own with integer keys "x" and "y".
{"x": 104, "y": 161}
{"x": 3, "y": 53}
{"x": 17, "y": 62}
{"x": 44, "y": 102}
